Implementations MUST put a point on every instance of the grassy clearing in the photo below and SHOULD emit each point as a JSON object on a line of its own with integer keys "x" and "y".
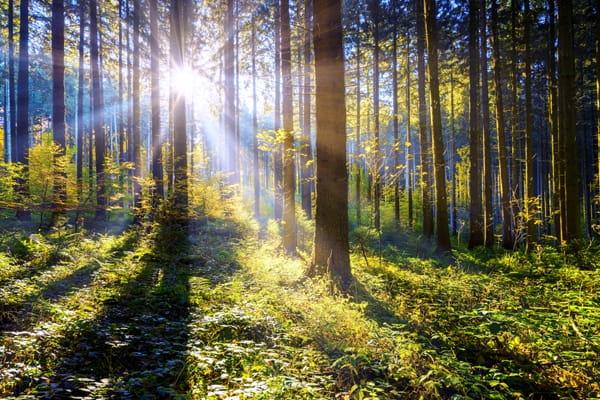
{"x": 217, "y": 312}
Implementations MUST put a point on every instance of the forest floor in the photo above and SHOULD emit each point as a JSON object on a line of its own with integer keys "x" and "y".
{"x": 215, "y": 312}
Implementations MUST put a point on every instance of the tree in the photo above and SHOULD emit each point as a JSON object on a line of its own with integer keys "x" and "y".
{"x": 277, "y": 155}
{"x": 289, "y": 174}
{"x": 97, "y": 112}
{"x": 529, "y": 194}
{"x": 409, "y": 155}
{"x": 255, "y": 125}
{"x": 11, "y": 82}
{"x": 566, "y": 118}
{"x": 476, "y": 218}
{"x": 358, "y": 125}
{"x": 374, "y": 8}
{"x": 396, "y": 147}
{"x": 426, "y": 178}
{"x": 331, "y": 217}
{"x": 439, "y": 164}
{"x": 157, "y": 167}
{"x": 80, "y": 111}
{"x": 514, "y": 116}
{"x": 500, "y": 132}
{"x": 598, "y": 83}
{"x": 485, "y": 113}
{"x": 22, "y": 136}
{"x": 58, "y": 98}
{"x": 137, "y": 154}
{"x": 306, "y": 150}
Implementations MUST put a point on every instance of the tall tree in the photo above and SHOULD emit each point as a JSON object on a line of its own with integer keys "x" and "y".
{"x": 11, "y": 82}
{"x": 157, "y": 166}
{"x": 178, "y": 44}
{"x": 426, "y": 178}
{"x": 598, "y": 85}
{"x": 80, "y": 111}
{"x": 331, "y": 218}
{"x": 500, "y": 131}
{"x": 439, "y": 164}
{"x": 58, "y": 99}
{"x": 136, "y": 103}
{"x": 514, "y": 116}
{"x": 374, "y": 8}
{"x": 22, "y": 136}
{"x": 289, "y": 174}
{"x": 306, "y": 150}
{"x": 255, "y": 149}
{"x": 277, "y": 154}
{"x": 476, "y": 217}
{"x": 409, "y": 156}
{"x": 229, "y": 76}
{"x": 358, "y": 163}
{"x": 485, "y": 114}
{"x": 566, "y": 119}
{"x": 396, "y": 147}
{"x": 529, "y": 193}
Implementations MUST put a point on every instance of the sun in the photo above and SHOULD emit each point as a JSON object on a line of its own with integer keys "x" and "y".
{"x": 183, "y": 81}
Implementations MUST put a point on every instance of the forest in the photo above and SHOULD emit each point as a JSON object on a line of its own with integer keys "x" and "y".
{"x": 305, "y": 199}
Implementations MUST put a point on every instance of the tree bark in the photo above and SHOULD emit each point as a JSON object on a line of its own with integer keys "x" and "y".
{"x": 396, "y": 147}
{"x": 289, "y": 175}
{"x": 476, "y": 217}
{"x": 358, "y": 163}
{"x": 515, "y": 175}
{"x": 485, "y": 113}
{"x": 11, "y": 83}
{"x": 439, "y": 164}
{"x": 529, "y": 207}
{"x": 58, "y": 101}
{"x": 277, "y": 154}
{"x": 409, "y": 151}
{"x": 376, "y": 168}
{"x": 306, "y": 150}
{"x": 255, "y": 150}
{"x": 507, "y": 242}
{"x": 137, "y": 157}
{"x": 331, "y": 218}
{"x": 157, "y": 166}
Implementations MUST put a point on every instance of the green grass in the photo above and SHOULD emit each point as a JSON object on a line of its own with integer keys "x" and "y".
{"x": 216, "y": 311}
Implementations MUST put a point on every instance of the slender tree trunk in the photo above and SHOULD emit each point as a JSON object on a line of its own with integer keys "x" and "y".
{"x": 529, "y": 197}
{"x": 515, "y": 175}
{"x": 358, "y": 163}
{"x": 229, "y": 111}
{"x": 58, "y": 101}
{"x": 80, "y": 84}
{"x": 277, "y": 153}
{"x": 331, "y": 219}
{"x": 476, "y": 217}
{"x": 22, "y": 136}
{"x": 121, "y": 124}
{"x": 178, "y": 46}
{"x": 453, "y": 153}
{"x": 566, "y": 120}
{"x": 98, "y": 112}
{"x": 426, "y": 178}
{"x": 409, "y": 153}
{"x": 500, "y": 131}
{"x": 377, "y": 167}
{"x": 598, "y": 87}
{"x": 137, "y": 155}
{"x": 157, "y": 167}
{"x": 439, "y": 164}
{"x": 485, "y": 113}
{"x": 396, "y": 147}
{"x": 289, "y": 175}
{"x": 255, "y": 125}
{"x": 306, "y": 150}
{"x": 11, "y": 82}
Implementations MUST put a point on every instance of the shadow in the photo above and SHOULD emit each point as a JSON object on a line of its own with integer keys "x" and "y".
{"x": 376, "y": 310}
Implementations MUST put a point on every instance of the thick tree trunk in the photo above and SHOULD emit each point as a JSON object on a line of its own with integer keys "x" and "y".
{"x": 566, "y": 120}
{"x": 97, "y": 112}
{"x": 331, "y": 218}
{"x": 157, "y": 166}
{"x": 476, "y": 217}
{"x": 178, "y": 45}
{"x": 306, "y": 150}
{"x": 377, "y": 159}
{"x": 507, "y": 242}
{"x": 529, "y": 206}
{"x": 485, "y": 113}
{"x": 426, "y": 178}
{"x": 58, "y": 101}
{"x": 289, "y": 174}
{"x": 439, "y": 164}
{"x": 277, "y": 154}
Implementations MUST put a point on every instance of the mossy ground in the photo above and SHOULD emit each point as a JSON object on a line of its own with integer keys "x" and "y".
{"x": 216, "y": 311}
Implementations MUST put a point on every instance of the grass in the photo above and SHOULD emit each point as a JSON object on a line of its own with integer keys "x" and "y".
{"x": 216, "y": 311}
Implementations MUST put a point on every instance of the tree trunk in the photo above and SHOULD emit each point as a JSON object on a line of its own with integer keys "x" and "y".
{"x": 137, "y": 157}
{"x": 396, "y": 147}
{"x": 178, "y": 45}
{"x": 121, "y": 125}
{"x": 22, "y": 138}
{"x": 157, "y": 167}
{"x": 97, "y": 112}
{"x": 306, "y": 150}
{"x": 485, "y": 113}
{"x": 529, "y": 206}
{"x": 58, "y": 101}
{"x": 11, "y": 83}
{"x": 453, "y": 154}
{"x": 409, "y": 154}
{"x": 566, "y": 119}
{"x": 331, "y": 219}
{"x": 80, "y": 84}
{"x": 426, "y": 178}
{"x": 358, "y": 163}
{"x": 515, "y": 175}
{"x": 476, "y": 217}
{"x": 439, "y": 164}
{"x": 377, "y": 159}
{"x": 598, "y": 86}
{"x": 255, "y": 126}
{"x": 289, "y": 175}
{"x": 500, "y": 131}
{"x": 277, "y": 154}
